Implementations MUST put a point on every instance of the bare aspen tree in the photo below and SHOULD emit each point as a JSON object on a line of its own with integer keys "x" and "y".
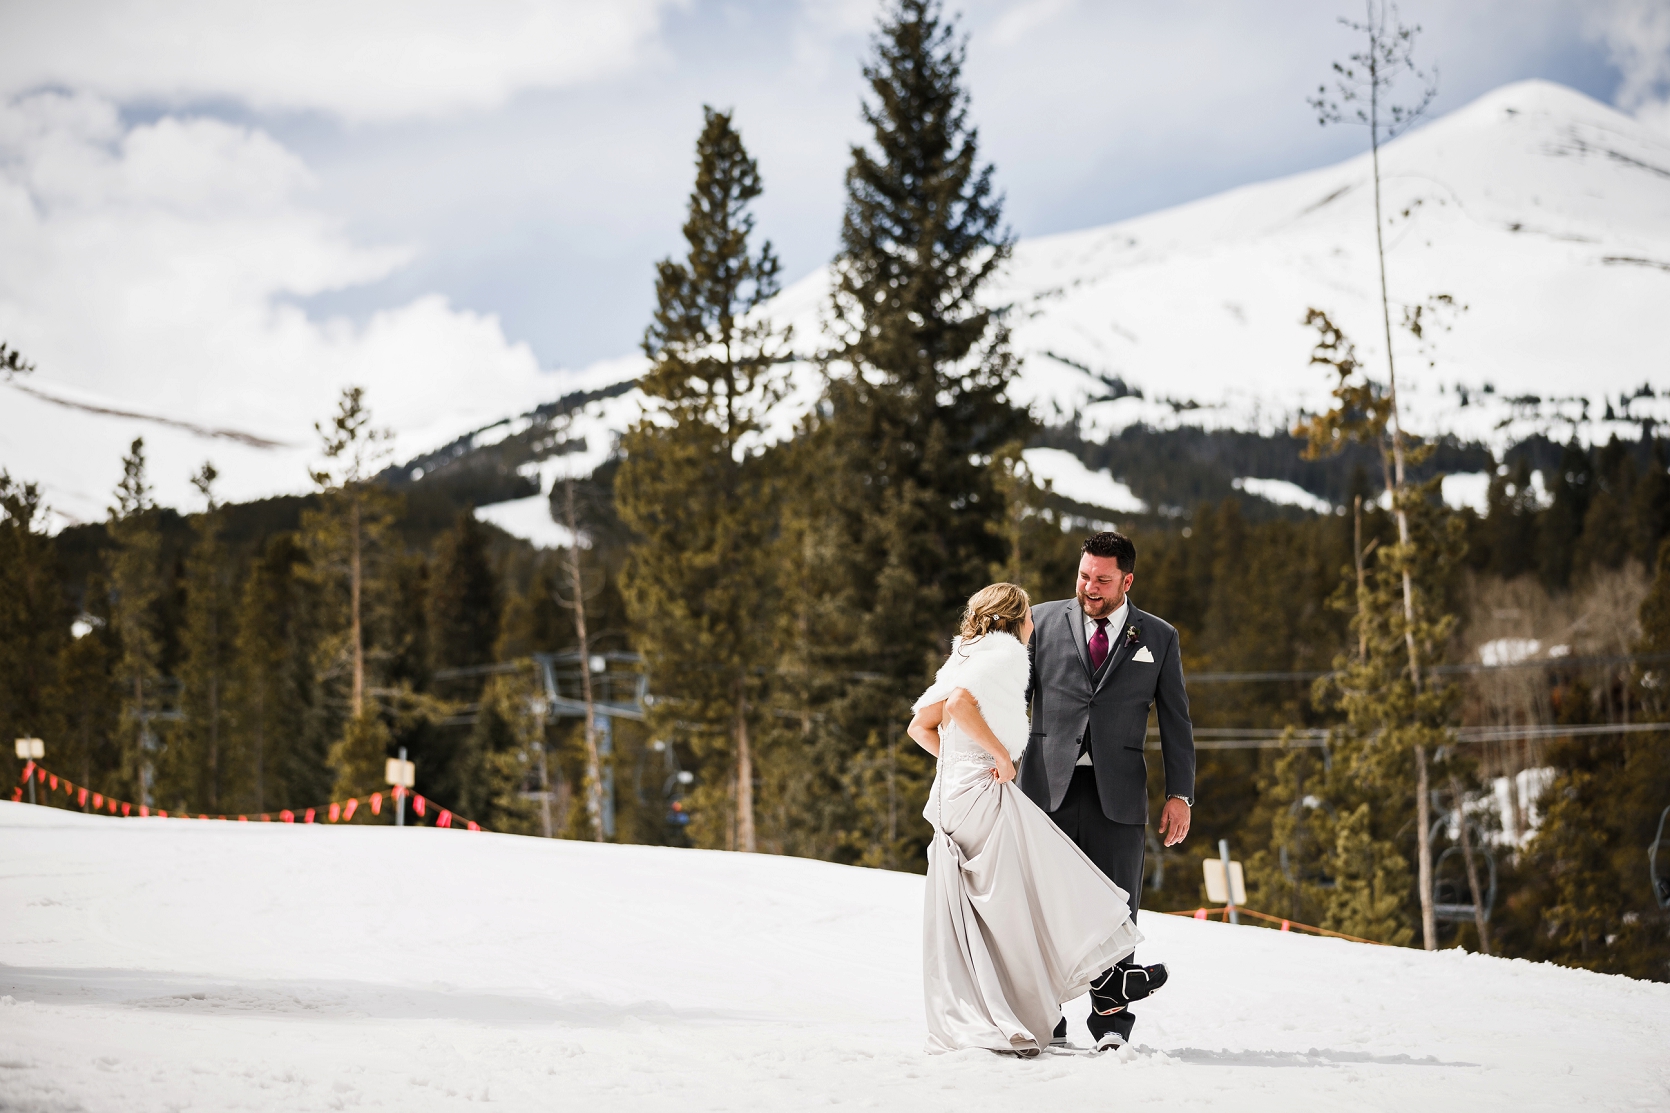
{"x": 1361, "y": 92}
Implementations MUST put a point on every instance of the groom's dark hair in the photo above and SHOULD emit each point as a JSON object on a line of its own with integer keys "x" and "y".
{"x": 1110, "y": 543}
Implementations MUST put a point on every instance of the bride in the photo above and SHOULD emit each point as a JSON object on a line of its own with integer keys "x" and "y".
{"x": 1017, "y": 919}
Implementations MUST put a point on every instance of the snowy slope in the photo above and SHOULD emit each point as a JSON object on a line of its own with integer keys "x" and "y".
{"x": 1543, "y": 212}
{"x": 168, "y": 964}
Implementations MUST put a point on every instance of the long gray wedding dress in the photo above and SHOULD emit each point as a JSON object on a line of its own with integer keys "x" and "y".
{"x": 1017, "y": 920}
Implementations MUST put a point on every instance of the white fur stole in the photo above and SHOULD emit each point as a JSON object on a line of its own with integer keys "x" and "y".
{"x": 994, "y": 670}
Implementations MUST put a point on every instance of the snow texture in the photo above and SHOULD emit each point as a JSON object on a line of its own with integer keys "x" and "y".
{"x": 1468, "y": 490}
{"x": 1068, "y": 476}
{"x": 173, "y": 964}
{"x": 1282, "y": 493}
{"x": 530, "y": 519}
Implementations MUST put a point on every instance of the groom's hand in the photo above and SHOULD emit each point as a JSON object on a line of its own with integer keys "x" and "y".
{"x": 1174, "y": 821}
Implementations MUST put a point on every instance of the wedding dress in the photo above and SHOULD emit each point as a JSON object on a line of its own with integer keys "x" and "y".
{"x": 1017, "y": 920}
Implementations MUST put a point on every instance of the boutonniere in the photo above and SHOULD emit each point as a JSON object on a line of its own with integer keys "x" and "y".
{"x": 1131, "y": 635}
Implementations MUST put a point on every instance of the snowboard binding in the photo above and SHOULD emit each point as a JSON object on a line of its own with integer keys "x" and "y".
{"x": 1123, "y": 984}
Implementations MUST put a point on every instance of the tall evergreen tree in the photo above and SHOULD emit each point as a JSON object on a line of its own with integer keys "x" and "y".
{"x": 85, "y": 732}
{"x": 34, "y": 622}
{"x": 345, "y": 537}
{"x": 463, "y": 597}
{"x": 904, "y": 501}
{"x": 1560, "y": 527}
{"x": 202, "y": 768}
{"x": 697, "y": 490}
{"x": 1398, "y": 710}
{"x": 282, "y": 727}
{"x": 136, "y": 585}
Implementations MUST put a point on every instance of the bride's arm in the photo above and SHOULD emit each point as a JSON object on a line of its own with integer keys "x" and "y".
{"x": 964, "y": 710}
{"x": 924, "y": 726}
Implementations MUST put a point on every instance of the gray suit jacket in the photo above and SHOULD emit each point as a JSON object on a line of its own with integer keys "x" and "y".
{"x": 1068, "y": 702}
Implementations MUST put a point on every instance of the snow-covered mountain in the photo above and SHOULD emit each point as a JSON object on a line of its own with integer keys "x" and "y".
{"x": 1542, "y": 213}
{"x": 152, "y": 964}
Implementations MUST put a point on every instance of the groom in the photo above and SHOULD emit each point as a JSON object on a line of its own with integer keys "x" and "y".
{"x": 1098, "y": 665}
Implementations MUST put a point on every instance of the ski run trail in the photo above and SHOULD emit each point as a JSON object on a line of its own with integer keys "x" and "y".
{"x": 151, "y": 964}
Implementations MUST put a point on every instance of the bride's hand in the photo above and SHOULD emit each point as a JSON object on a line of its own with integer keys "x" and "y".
{"x": 1004, "y": 770}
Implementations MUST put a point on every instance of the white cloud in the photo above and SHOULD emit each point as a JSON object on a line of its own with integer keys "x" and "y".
{"x": 1637, "y": 36}
{"x": 151, "y": 270}
{"x": 366, "y": 60}
{"x": 1024, "y": 18}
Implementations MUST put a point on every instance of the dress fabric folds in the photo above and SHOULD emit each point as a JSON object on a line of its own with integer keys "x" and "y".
{"x": 1017, "y": 920}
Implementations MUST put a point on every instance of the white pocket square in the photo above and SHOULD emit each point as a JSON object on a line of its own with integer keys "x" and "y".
{"x": 1143, "y": 655}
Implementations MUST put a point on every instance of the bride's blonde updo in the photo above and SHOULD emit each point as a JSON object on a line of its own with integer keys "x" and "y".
{"x": 998, "y": 607}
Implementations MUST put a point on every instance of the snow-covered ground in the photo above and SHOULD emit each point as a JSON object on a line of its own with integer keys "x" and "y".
{"x": 170, "y": 965}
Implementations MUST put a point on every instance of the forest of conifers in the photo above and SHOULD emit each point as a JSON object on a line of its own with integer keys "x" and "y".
{"x": 787, "y": 599}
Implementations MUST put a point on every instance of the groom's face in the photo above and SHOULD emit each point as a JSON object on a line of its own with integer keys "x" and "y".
{"x": 1102, "y": 586}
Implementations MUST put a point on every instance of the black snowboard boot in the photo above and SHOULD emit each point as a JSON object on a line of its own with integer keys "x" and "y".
{"x": 1126, "y": 982}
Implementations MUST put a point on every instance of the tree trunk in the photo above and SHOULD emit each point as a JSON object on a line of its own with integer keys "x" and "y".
{"x": 744, "y": 776}
{"x": 354, "y": 607}
{"x": 594, "y": 767}
{"x": 1429, "y": 924}
{"x": 1479, "y": 910}
{"x": 544, "y": 767}
{"x": 214, "y": 739}
{"x": 1362, "y": 581}
{"x": 1423, "y": 821}
{"x": 261, "y": 747}
{"x": 144, "y": 737}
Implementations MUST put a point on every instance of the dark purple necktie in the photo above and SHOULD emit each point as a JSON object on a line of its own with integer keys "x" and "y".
{"x": 1099, "y": 645}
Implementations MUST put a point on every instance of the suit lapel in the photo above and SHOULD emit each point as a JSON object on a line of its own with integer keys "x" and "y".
{"x": 1122, "y": 646}
{"x": 1075, "y": 619}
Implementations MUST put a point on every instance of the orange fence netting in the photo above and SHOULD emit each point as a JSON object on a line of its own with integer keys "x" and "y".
{"x": 337, "y": 811}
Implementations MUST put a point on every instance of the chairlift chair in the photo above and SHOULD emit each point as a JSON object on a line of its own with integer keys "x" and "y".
{"x": 1452, "y": 896}
{"x": 1658, "y": 864}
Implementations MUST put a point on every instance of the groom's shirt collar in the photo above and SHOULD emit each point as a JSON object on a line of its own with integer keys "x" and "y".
{"x": 1116, "y": 623}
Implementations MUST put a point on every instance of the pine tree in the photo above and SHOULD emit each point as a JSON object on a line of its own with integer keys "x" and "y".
{"x": 203, "y": 768}
{"x": 1370, "y": 899}
{"x": 34, "y": 621}
{"x": 695, "y": 486}
{"x": 282, "y": 727}
{"x": 1560, "y": 527}
{"x": 354, "y": 516}
{"x": 902, "y": 501}
{"x": 1589, "y": 897}
{"x": 1398, "y": 709}
{"x": 85, "y": 701}
{"x": 136, "y": 585}
{"x": 345, "y": 537}
{"x": 1650, "y": 507}
{"x": 463, "y": 597}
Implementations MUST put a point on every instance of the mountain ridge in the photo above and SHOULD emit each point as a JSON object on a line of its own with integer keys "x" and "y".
{"x": 1543, "y": 214}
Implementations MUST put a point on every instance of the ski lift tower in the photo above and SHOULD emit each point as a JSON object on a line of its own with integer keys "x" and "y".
{"x": 607, "y": 706}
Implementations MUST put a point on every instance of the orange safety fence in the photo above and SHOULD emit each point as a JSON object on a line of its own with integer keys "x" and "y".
{"x": 1286, "y": 925}
{"x": 337, "y": 811}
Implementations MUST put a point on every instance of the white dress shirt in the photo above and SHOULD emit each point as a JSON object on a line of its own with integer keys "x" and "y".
{"x": 1116, "y": 623}
{"x": 1116, "y": 626}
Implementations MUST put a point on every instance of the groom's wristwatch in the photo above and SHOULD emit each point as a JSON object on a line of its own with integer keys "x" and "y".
{"x": 1189, "y": 800}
